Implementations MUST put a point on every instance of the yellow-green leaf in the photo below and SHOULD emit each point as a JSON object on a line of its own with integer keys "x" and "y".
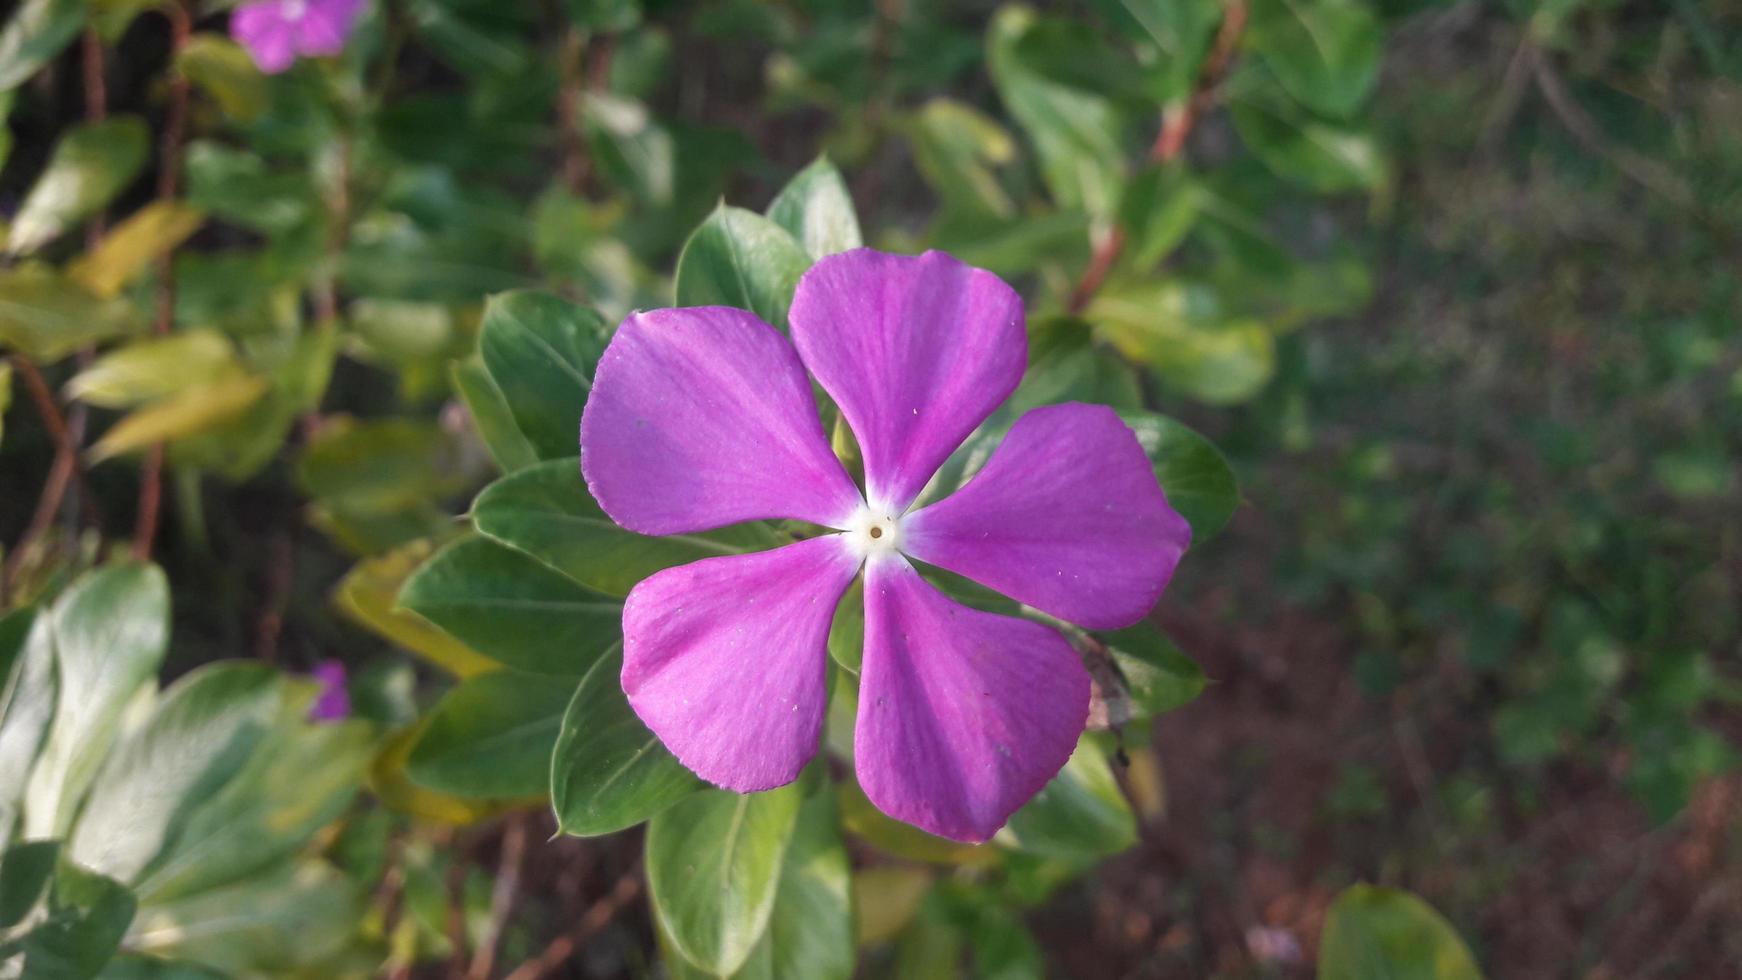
{"x": 158, "y": 367}
{"x": 189, "y": 413}
{"x": 221, "y": 68}
{"x": 5, "y": 394}
{"x": 1386, "y": 934}
{"x": 132, "y": 245}
{"x": 90, "y": 165}
{"x": 48, "y": 315}
{"x": 1180, "y": 333}
{"x": 369, "y": 596}
{"x": 35, "y": 32}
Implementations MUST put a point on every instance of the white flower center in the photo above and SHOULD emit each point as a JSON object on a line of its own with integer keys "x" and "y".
{"x": 294, "y": 10}
{"x": 874, "y": 531}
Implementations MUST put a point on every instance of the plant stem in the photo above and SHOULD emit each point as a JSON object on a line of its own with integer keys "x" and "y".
{"x": 63, "y": 472}
{"x": 168, "y": 184}
{"x": 1176, "y": 126}
{"x": 596, "y": 917}
{"x": 501, "y": 896}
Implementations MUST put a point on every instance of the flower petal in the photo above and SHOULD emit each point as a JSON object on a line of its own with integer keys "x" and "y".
{"x": 916, "y": 351}
{"x": 963, "y": 715}
{"x": 1066, "y": 517}
{"x": 703, "y": 417}
{"x": 325, "y": 25}
{"x": 725, "y": 659}
{"x": 261, "y": 28}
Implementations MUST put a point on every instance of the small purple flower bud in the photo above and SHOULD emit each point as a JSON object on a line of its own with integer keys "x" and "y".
{"x": 334, "y": 701}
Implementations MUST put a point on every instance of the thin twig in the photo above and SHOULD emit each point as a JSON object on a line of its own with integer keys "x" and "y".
{"x": 1512, "y": 87}
{"x": 595, "y": 918}
{"x": 168, "y": 184}
{"x": 568, "y": 109}
{"x": 1644, "y": 171}
{"x": 280, "y": 576}
{"x": 501, "y": 897}
{"x": 64, "y": 471}
{"x": 1177, "y": 125}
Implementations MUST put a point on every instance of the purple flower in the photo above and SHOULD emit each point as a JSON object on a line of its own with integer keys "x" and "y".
{"x": 275, "y": 32}
{"x": 334, "y": 701}
{"x": 703, "y": 417}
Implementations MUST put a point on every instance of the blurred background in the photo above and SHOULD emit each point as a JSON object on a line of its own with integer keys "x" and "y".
{"x": 1452, "y": 287}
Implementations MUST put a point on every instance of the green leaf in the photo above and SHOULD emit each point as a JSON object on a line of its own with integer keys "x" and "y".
{"x": 128, "y": 966}
{"x": 604, "y": 15}
{"x": 513, "y": 609}
{"x": 147, "y": 234}
{"x": 1017, "y": 246}
{"x": 1320, "y": 156}
{"x": 865, "y": 821}
{"x": 298, "y": 780}
{"x": 1180, "y": 31}
{"x": 190, "y": 412}
{"x": 631, "y": 147}
{"x": 998, "y": 942}
{"x": 7, "y": 98}
{"x": 847, "y": 629}
{"x": 37, "y": 31}
{"x": 1198, "y": 481}
{"x": 810, "y": 932}
{"x": 378, "y": 465}
{"x": 1071, "y": 54}
{"x": 1324, "y": 52}
{"x": 369, "y": 596}
{"x": 90, "y": 165}
{"x": 817, "y": 209}
{"x": 491, "y": 415}
{"x": 546, "y": 512}
{"x": 491, "y": 736}
{"x": 541, "y": 350}
{"x": 26, "y": 871}
{"x": 1064, "y": 364}
{"x": 154, "y": 368}
{"x": 713, "y": 867}
{"x": 109, "y": 632}
{"x": 48, "y": 316}
{"x": 227, "y": 73}
{"x": 5, "y": 402}
{"x": 608, "y": 771}
{"x": 14, "y": 637}
{"x": 739, "y": 258}
{"x": 1385, "y": 934}
{"x": 401, "y": 332}
{"x": 1157, "y": 209}
{"x": 199, "y": 736}
{"x": 27, "y": 700}
{"x": 1075, "y": 132}
{"x": 1080, "y": 814}
{"x": 957, "y": 149}
{"x": 82, "y": 923}
{"x": 885, "y": 899}
{"x": 288, "y": 922}
{"x": 1179, "y": 331}
{"x": 111, "y": 18}
{"x": 1158, "y": 677}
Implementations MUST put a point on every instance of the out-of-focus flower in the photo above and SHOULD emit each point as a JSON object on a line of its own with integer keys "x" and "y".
{"x": 1273, "y": 946}
{"x": 334, "y": 701}
{"x": 277, "y": 32}
{"x": 703, "y": 417}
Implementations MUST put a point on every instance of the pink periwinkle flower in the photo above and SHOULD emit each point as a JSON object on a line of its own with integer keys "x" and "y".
{"x": 276, "y": 32}
{"x": 703, "y": 417}
{"x": 333, "y": 703}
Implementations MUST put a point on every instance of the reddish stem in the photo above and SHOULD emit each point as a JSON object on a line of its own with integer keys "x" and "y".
{"x": 1177, "y": 125}
{"x": 168, "y": 185}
